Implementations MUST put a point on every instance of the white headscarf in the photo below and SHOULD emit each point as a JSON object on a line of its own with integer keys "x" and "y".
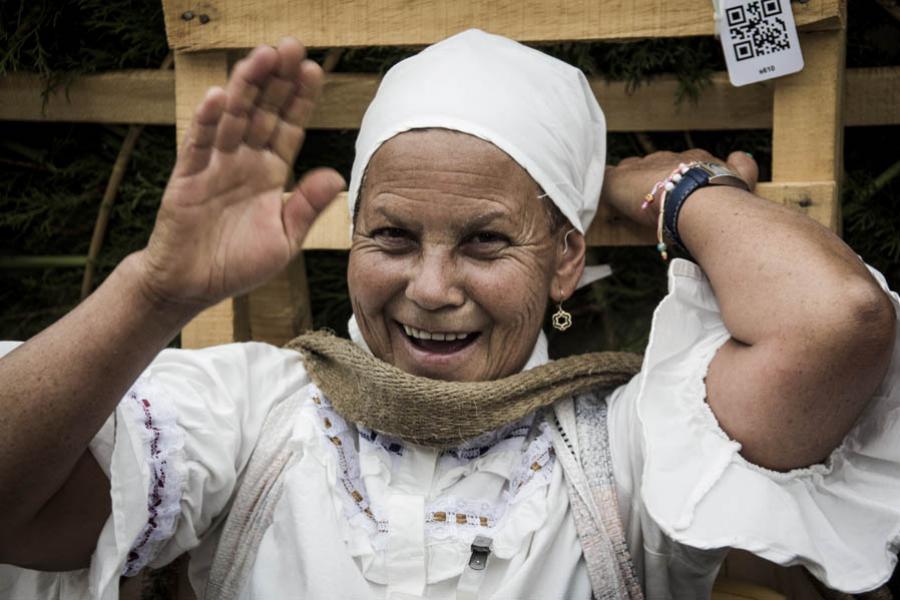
{"x": 537, "y": 109}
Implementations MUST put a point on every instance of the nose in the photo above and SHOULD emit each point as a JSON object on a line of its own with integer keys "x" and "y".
{"x": 434, "y": 281}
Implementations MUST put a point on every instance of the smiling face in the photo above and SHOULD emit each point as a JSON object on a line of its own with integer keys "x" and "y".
{"x": 454, "y": 258}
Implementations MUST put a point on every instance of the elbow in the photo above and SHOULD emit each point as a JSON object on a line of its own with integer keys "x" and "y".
{"x": 872, "y": 321}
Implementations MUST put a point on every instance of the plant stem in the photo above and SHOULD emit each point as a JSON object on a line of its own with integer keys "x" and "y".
{"x": 41, "y": 262}
{"x": 885, "y": 178}
{"x": 109, "y": 196}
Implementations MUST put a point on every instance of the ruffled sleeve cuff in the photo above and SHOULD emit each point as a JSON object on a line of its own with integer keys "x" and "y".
{"x": 840, "y": 519}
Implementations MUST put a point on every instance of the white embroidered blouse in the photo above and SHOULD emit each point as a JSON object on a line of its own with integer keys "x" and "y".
{"x": 364, "y": 516}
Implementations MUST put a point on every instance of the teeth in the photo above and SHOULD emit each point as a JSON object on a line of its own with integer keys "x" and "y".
{"x": 431, "y": 335}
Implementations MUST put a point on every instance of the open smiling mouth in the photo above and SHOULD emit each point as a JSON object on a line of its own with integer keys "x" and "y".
{"x": 439, "y": 342}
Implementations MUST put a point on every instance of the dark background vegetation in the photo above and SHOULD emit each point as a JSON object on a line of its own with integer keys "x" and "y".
{"x": 52, "y": 175}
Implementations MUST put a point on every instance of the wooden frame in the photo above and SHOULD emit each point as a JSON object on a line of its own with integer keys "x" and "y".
{"x": 806, "y": 142}
{"x": 805, "y": 111}
{"x": 147, "y": 96}
{"x": 200, "y": 25}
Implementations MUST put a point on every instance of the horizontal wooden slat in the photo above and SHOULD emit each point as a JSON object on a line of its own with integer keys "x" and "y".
{"x": 873, "y": 98}
{"x": 332, "y": 230}
{"x": 325, "y": 23}
{"x": 139, "y": 96}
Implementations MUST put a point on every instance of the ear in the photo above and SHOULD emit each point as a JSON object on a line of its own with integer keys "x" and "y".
{"x": 569, "y": 267}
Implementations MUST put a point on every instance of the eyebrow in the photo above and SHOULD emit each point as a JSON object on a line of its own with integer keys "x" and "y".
{"x": 485, "y": 219}
{"x": 473, "y": 223}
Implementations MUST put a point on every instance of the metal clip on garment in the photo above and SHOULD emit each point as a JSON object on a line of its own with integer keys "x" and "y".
{"x": 473, "y": 575}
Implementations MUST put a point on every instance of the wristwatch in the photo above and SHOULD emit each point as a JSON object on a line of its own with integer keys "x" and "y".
{"x": 700, "y": 174}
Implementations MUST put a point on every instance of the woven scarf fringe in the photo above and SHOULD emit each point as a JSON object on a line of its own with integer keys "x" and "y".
{"x": 443, "y": 414}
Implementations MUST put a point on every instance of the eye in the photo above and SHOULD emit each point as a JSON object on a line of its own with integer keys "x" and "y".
{"x": 393, "y": 238}
{"x": 486, "y": 242}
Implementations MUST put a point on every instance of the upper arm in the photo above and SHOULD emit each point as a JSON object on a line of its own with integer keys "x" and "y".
{"x": 791, "y": 398}
{"x": 64, "y": 533}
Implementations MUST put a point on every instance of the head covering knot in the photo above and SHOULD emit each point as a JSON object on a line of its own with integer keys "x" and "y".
{"x": 536, "y": 108}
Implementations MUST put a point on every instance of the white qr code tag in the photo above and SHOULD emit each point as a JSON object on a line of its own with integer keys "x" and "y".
{"x": 760, "y": 40}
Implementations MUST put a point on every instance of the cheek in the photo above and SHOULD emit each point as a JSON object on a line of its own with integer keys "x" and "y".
{"x": 372, "y": 281}
{"x": 514, "y": 293}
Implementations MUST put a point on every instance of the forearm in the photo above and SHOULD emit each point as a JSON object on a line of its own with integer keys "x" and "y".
{"x": 57, "y": 389}
{"x": 773, "y": 270}
{"x": 812, "y": 331}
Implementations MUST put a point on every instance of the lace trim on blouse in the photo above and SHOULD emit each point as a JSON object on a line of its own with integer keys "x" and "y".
{"x": 446, "y": 517}
{"x": 153, "y": 414}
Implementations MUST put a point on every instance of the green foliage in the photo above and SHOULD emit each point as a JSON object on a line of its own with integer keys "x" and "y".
{"x": 52, "y": 179}
{"x": 60, "y": 40}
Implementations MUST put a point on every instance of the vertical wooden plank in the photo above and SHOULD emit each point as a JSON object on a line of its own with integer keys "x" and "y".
{"x": 194, "y": 74}
{"x": 279, "y": 309}
{"x": 807, "y": 125}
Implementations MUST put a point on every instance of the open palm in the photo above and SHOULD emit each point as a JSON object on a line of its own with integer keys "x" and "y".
{"x": 223, "y": 226}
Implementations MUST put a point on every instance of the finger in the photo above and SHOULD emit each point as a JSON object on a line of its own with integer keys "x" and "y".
{"x": 247, "y": 78}
{"x": 314, "y": 192}
{"x": 260, "y": 127}
{"x": 631, "y": 160}
{"x": 288, "y": 136}
{"x": 310, "y": 80}
{"x": 698, "y": 154}
{"x": 197, "y": 146}
{"x": 281, "y": 87}
{"x": 746, "y": 167}
{"x": 276, "y": 93}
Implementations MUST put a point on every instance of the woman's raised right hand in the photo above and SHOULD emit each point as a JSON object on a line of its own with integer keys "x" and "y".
{"x": 223, "y": 226}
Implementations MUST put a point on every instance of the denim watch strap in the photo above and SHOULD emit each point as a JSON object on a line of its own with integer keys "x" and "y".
{"x": 692, "y": 180}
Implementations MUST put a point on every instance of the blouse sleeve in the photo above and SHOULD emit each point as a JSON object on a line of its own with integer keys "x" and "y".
{"x": 840, "y": 519}
{"x": 173, "y": 450}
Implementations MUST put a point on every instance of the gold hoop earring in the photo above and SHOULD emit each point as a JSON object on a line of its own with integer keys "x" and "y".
{"x": 562, "y": 319}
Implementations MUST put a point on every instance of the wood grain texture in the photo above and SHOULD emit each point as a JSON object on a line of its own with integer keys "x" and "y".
{"x": 279, "y": 309}
{"x": 145, "y": 96}
{"x": 212, "y": 327}
{"x": 807, "y": 122}
{"x": 194, "y": 74}
{"x": 325, "y": 23}
{"x": 872, "y": 98}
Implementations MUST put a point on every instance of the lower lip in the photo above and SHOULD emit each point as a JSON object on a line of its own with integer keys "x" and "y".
{"x": 436, "y": 360}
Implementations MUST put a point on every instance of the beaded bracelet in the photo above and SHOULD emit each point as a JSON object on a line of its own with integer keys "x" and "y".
{"x": 663, "y": 187}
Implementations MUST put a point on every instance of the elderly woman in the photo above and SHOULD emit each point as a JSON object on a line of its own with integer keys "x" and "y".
{"x": 453, "y": 460}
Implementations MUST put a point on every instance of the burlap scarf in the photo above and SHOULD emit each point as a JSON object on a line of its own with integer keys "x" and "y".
{"x": 366, "y": 390}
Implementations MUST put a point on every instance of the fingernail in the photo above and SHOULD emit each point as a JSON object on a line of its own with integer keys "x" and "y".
{"x": 339, "y": 181}
{"x": 748, "y": 154}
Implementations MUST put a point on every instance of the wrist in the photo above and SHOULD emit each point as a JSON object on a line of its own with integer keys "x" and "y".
{"x": 136, "y": 275}
{"x": 679, "y": 188}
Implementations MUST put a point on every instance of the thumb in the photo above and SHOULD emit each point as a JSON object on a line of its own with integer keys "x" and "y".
{"x": 746, "y": 167}
{"x": 314, "y": 192}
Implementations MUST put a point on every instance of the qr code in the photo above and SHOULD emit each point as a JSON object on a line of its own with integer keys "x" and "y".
{"x": 757, "y": 28}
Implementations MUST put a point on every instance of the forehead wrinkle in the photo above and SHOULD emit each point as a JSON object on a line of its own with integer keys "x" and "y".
{"x": 481, "y": 169}
{"x": 499, "y": 207}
